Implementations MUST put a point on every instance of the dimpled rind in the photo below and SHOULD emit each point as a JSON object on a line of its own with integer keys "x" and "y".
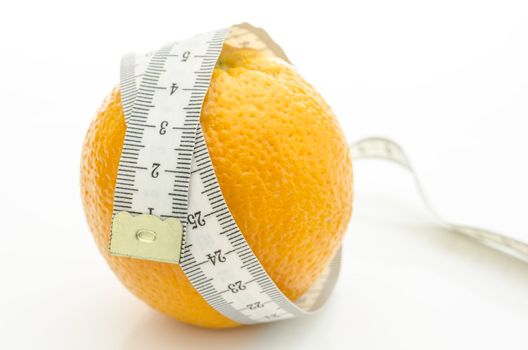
{"x": 283, "y": 166}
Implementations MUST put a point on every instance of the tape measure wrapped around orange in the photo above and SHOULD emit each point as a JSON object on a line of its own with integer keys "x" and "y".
{"x": 283, "y": 166}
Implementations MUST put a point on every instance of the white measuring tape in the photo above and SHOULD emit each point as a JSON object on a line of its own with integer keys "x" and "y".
{"x": 168, "y": 205}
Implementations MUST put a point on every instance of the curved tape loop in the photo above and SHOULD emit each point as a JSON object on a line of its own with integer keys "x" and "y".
{"x": 385, "y": 149}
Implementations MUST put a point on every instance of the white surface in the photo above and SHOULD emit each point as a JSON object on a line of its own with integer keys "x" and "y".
{"x": 449, "y": 80}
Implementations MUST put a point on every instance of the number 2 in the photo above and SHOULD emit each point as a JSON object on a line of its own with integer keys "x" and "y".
{"x": 155, "y": 171}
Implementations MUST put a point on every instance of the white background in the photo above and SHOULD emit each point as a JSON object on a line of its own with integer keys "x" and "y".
{"x": 448, "y": 79}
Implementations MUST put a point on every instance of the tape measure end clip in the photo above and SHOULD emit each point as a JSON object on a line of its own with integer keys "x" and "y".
{"x": 146, "y": 237}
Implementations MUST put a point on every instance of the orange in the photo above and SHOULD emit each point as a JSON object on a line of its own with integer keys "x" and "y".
{"x": 283, "y": 166}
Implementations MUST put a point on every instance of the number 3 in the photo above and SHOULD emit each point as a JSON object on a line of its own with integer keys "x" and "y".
{"x": 163, "y": 127}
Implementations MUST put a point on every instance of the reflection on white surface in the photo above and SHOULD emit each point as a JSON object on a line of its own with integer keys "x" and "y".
{"x": 156, "y": 331}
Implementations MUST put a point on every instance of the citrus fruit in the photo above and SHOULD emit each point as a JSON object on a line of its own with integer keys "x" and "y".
{"x": 283, "y": 166}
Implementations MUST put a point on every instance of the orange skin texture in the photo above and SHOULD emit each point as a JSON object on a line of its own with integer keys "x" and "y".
{"x": 283, "y": 166}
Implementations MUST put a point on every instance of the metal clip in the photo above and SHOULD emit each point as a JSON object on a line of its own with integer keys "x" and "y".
{"x": 146, "y": 237}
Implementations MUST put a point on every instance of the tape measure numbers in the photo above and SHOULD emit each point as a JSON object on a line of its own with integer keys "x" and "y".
{"x": 167, "y": 191}
{"x": 168, "y": 205}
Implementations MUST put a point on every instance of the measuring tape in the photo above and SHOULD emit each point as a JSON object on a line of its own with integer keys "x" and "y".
{"x": 168, "y": 205}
